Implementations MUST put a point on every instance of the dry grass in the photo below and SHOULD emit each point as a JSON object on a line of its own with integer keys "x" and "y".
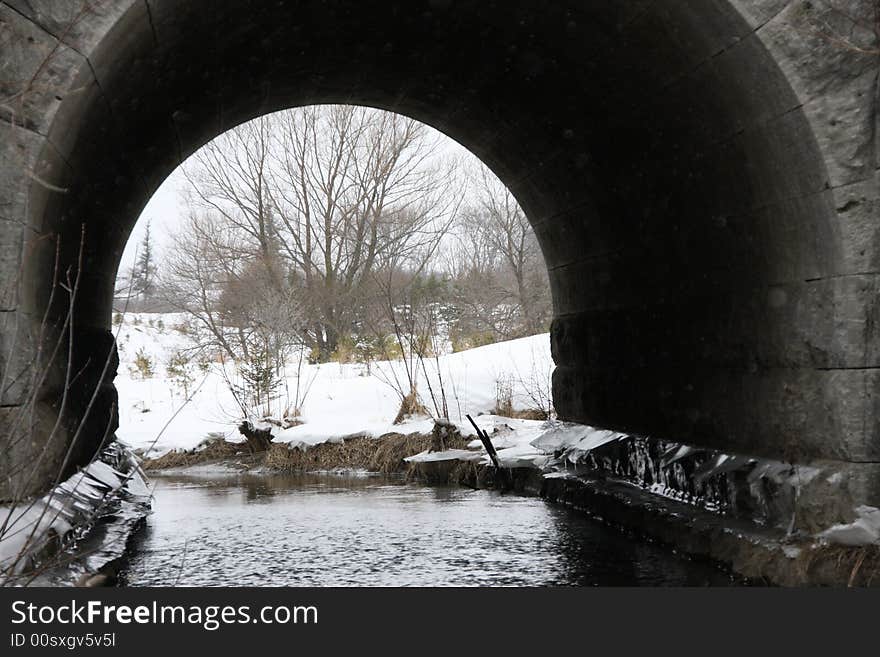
{"x": 530, "y": 414}
{"x": 860, "y": 565}
{"x": 816, "y": 565}
{"x": 384, "y": 454}
{"x": 410, "y": 406}
{"x": 214, "y": 450}
{"x": 504, "y": 406}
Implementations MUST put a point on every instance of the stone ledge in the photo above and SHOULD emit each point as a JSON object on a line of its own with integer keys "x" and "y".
{"x": 763, "y": 556}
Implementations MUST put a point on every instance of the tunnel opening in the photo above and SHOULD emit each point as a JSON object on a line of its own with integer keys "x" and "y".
{"x": 327, "y": 266}
{"x": 681, "y": 199}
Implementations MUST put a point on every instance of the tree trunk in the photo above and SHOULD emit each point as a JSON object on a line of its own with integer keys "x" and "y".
{"x": 258, "y": 440}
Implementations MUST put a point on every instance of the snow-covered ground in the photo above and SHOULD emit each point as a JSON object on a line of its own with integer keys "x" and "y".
{"x": 342, "y": 399}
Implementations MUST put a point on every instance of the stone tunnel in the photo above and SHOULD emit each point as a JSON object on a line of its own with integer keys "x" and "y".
{"x": 702, "y": 176}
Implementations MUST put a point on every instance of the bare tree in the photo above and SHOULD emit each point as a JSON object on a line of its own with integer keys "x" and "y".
{"x": 207, "y": 257}
{"x": 358, "y": 191}
{"x": 231, "y": 177}
{"x": 406, "y": 318}
{"x": 323, "y": 196}
{"x": 240, "y": 309}
{"x": 498, "y": 266}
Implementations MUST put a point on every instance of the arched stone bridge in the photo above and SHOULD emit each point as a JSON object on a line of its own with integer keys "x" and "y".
{"x": 702, "y": 175}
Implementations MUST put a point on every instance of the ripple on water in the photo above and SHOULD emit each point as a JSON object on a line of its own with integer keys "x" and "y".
{"x": 325, "y": 530}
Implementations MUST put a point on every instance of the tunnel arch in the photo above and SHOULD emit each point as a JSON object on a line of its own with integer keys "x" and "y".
{"x": 705, "y": 288}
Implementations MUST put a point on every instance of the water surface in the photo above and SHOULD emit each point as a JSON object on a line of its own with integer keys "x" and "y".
{"x": 321, "y": 530}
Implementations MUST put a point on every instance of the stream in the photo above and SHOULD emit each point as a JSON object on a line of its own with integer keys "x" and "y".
{"x": 365, "y": 530}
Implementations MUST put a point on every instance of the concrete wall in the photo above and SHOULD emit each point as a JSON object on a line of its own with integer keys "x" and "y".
{"x": 702, "y": 176}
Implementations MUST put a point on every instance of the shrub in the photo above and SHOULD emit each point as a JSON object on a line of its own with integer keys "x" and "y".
{"x": 423, "y": 345}
{"x": 465, "y": 341}
{"x": 368, "y": 349}
{"x": 504, "y": 397}
{"x": 143, "y": 364}
{"x": 411, "y": 405}
{"x": 391, "y": 348}
{"x": 345, "y": 350}
{"x": 181, "y": 371}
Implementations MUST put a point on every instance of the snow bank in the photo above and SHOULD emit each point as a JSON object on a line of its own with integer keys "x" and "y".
{"x": 342, "y": 401}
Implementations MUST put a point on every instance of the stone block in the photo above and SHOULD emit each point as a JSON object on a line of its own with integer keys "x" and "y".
{"x": 29, "y": 458}
{"x": 835, "y": 83}
{"x": 858, "y": 224}
{"x": 80, "y": 24}
{"x": 37, "y": 71}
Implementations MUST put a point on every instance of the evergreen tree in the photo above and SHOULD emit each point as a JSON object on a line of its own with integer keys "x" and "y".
{"x": 143, "y": 273}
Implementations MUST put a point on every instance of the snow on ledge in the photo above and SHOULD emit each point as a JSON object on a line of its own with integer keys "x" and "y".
{"x": 68, "y": 511}
{"x": 864, "y": 530}
{"x": 448, "y": 455}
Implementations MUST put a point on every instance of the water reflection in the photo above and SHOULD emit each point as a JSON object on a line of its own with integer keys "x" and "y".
{"x": 313, "y": 530}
